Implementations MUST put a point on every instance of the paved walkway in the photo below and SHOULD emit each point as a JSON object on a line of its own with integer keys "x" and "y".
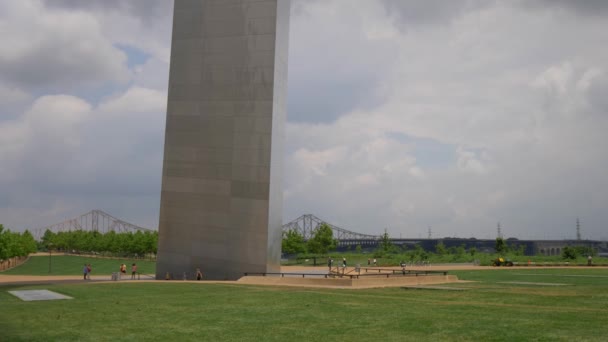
{"x": 24, "y": 279}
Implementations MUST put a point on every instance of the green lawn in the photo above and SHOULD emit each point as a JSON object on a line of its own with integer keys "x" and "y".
{"x": 72, "y": 265}
{"x": 493, "y": 309}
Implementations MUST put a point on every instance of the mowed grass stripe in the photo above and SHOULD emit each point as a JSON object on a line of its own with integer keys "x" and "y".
{"x": 154, "y": 311}
{"x": 72, "y": 265}
{"x": 425, "y": 298}
{"x": 183, "y": 311}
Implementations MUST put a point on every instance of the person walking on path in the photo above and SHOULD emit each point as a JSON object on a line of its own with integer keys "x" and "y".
{"x": 133, "y": 270}
{"x": 199, "y": 274}
{"x": 85, "y": 271}
{"x": 329, "y": 263}
{"x": 89, "y": 269}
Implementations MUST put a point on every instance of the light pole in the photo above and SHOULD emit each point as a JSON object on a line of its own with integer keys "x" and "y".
{"x": 50, "y": 245}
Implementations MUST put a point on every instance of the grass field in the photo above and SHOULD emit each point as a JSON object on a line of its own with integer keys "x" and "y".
{"x": 72, "y": 265}
{"x": 501, "y": 305}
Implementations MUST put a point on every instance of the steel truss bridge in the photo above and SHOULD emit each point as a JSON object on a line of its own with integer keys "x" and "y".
{"x": 94, "y": 220}
{"x": 100, "y": 221}
{"x": 306, "y": 225}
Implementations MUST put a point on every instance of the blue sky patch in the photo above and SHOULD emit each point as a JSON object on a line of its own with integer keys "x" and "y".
{"x": 135, "y": 56}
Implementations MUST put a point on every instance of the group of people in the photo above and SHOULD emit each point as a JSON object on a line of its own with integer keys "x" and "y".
{"x": 123, "y": 270}
{"x": 330, "y": 262}
{"x": 86, "y": 271}
{"x": 199, "y": 275}
{"x": 369, "y": 262}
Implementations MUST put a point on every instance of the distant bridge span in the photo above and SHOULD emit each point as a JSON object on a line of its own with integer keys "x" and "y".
{"x": 98, "y": 220}
{"x": 94, "y": 220}
{"x": 306, "y": 225}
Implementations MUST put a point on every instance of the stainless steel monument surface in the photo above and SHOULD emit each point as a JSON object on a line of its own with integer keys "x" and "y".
{"x": 221, "y": 199}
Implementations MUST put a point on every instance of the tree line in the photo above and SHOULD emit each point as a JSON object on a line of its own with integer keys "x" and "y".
{"x": 81, "y": 241}
{"x": 321, "y": 242}
{"x": 13, "y": 244}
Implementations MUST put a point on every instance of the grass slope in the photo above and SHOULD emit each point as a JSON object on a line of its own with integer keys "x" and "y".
{"x": 72, "y": 265}
{"x": 490, "y": 311}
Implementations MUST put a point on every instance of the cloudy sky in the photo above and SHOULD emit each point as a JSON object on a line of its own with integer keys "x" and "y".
{"x": 402, "y": 115}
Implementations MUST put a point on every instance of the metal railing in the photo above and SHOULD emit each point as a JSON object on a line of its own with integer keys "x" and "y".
{"x": 392, "y": 273}
{"x": 283, "y": 274}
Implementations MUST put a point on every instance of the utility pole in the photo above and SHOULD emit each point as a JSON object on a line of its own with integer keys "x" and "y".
{"x": 578, "y": 229}
{"x": 498, "y": 231}
{"x": 430, "y": 233}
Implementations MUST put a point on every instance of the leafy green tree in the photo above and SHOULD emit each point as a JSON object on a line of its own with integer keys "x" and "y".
{"x": 125, "y": 241}
{"x": 111, "y": 242}
{"x": 151, "y": 241}
{"x": 418, "y": 250}
{"x": 460, "y": 251}
{"x": 472, "y": 251}
{"x": 28, "y": 242}
{"x": 13, "y": 244}
{"x": 78, "y": 240}
{"x": 95, "y": 241}
{"x": 358, "y": 249}
{"x": 293, "y": 242}
{"x": 418, "y": 253}
{"x": 4, "y": 244}
{"x": 519, "y": 249}
{"x": 48, "y": 238}
{"x": 385, "y": 243}
{"x": 569, "y": 253}
{"x": 583, "y": 250}
{"x": 323, "y": 240}
{"x": 138, "y": 245}
{"x": 500, "y": 245}
{"x": 440, "y": 248}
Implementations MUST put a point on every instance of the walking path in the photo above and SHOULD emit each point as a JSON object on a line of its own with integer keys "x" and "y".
{"x": 25, "y": 279}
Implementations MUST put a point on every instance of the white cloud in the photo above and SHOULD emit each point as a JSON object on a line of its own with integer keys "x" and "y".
{"x": 469, "y": 162}
{"x": 47, "y": 132}
{"x": 136, "y": 99}
{"x": 68, "y": 152}
{"x": 154, "y": 74}
{"x": 42, "y": 47}
{"x": 515, "y": 95}
{"x": 518, "y": 104}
